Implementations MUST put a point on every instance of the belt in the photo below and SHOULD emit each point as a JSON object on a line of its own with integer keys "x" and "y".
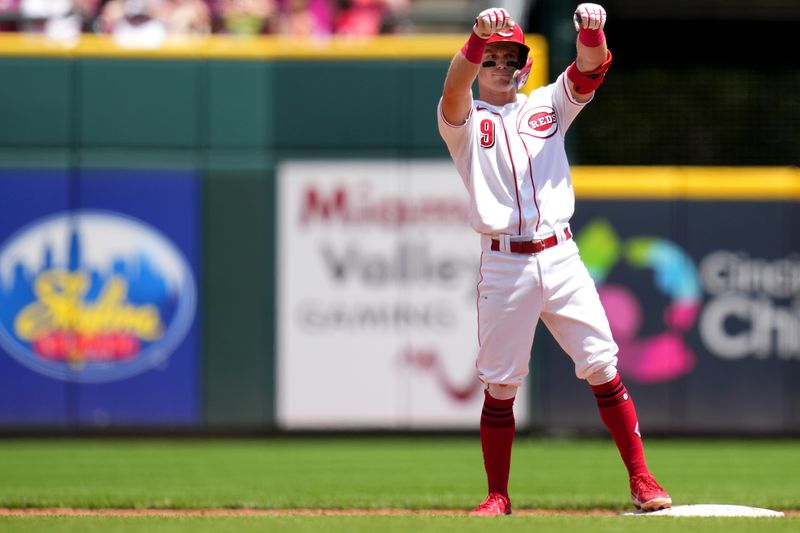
{"x": 527, "y": 247}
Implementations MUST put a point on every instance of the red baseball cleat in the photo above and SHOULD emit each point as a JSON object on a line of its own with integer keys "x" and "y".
{"x": 647, "y": 494}
{"x": 494, "y": 504}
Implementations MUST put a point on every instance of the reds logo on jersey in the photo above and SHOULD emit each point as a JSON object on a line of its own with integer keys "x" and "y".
{"x": 539, "y": 122}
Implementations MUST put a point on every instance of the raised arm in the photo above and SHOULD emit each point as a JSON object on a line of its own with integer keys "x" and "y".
{"x": 457, "y": 92}
{"x": 593, "y": 58}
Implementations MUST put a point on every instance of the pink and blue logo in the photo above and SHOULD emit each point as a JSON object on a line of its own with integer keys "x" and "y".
{"x": 658, "y": 357}
{"x": 93, "y": 296}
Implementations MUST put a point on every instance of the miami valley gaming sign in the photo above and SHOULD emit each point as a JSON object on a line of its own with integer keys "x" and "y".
{"x": 377, "y": 272}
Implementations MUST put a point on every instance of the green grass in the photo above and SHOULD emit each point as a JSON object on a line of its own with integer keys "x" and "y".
{"x": 384, "y": 524}
{"x": 411, "y": 473}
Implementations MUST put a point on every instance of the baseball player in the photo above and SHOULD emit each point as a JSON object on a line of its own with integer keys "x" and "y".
{"x": 509, "y": 151}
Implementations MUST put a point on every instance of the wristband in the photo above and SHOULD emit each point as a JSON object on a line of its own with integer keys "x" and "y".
{"x": 473, "y": 48}
{"x": 591, "y": 38}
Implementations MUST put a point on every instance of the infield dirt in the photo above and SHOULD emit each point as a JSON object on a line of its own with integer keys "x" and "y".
{"x": 70, "y": 511}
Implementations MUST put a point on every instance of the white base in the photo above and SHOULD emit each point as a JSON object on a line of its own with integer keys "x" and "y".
{"x": 711, "y": 510}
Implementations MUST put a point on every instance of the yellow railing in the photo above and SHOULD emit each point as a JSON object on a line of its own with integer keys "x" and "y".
{"x": 696, "y": 183}
{"x": 274, "y": 48}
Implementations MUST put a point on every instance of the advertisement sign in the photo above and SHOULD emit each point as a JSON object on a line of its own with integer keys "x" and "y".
{"x": 378, "y": 269}
{"x": 98, "y": 301}
{"x": 703, "y": 303}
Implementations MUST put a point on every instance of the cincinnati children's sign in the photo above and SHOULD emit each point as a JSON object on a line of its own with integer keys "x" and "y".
{"x": 741, "y": 306}
{"x": 93, "y": 296}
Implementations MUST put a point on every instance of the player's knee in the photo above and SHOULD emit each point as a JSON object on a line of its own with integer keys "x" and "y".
{"x": 499, "y": 391}
{"x": 602, "y": 375}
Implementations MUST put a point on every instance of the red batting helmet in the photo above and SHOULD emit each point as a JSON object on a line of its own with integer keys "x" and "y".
{"x": 514, "y": 35}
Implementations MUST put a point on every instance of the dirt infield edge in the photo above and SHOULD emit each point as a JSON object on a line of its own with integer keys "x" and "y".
{"x": 71, "y": 511}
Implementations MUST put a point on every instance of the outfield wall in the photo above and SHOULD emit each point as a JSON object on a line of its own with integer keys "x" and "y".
{"x": 260, "y": 235}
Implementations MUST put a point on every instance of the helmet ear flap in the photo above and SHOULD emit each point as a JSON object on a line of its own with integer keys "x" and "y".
{"x": 521, "y": 76}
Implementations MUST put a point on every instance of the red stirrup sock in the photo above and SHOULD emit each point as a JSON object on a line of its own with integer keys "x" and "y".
{"x": 619, "y": 416}
{"x": 497, "y": 436}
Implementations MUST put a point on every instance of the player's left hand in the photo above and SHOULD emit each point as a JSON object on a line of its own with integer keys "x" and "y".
{"x": 589, "y": 17}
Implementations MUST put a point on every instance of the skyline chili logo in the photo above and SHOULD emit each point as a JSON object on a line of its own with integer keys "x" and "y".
{"x": 93, "y": 296}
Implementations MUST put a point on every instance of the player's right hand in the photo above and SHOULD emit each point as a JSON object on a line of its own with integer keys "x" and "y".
{"x": 589, "y": 17}
{"x": 492, "y": 20}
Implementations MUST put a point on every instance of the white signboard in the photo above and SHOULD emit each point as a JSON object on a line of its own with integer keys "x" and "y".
{"x": 378, "y": 268}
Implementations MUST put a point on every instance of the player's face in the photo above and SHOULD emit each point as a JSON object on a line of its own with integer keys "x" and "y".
{"x": 500, "y": 61}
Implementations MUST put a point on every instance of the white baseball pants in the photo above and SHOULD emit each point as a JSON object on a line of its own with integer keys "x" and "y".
{"x": 516, "y": 290}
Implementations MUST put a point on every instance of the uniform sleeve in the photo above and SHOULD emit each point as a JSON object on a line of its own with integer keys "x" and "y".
{"x": 565, "y": 105}
{"x": 458, "y": 140}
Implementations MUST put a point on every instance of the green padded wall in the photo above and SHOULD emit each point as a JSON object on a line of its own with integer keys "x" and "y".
{"x": 340, "y": 105}
{"x": 238, "y": 298}
{"x": 142, "y": 103}
{"x": 240, "y": 104}
{"x": 426, "y": 80}
{"x": 36, "y": 97}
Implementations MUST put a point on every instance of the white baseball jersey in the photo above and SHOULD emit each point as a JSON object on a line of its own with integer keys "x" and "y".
{"x": 512, "y": 161}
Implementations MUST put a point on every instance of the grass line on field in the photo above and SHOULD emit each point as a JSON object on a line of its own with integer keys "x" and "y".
{"x": 215, "y": 512}
{"x": 415, "y": 474}
{"x": 70, "y": 511}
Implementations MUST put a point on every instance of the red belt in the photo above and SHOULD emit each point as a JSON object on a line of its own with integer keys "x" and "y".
{"x": 527, "y": 247}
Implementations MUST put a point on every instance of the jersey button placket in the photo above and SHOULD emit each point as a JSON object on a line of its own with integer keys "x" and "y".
{"x": 516, "y": 175}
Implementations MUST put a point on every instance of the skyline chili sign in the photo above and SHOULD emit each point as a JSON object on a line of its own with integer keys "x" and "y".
{"x": 92, "y": 296}
{"x": 99, "y": 297}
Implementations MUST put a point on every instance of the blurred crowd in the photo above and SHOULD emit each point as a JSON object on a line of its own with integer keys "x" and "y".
{"x": 152, "y": 20}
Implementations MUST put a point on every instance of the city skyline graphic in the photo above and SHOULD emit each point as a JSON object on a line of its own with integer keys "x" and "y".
{"x": 77, "y": 303}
